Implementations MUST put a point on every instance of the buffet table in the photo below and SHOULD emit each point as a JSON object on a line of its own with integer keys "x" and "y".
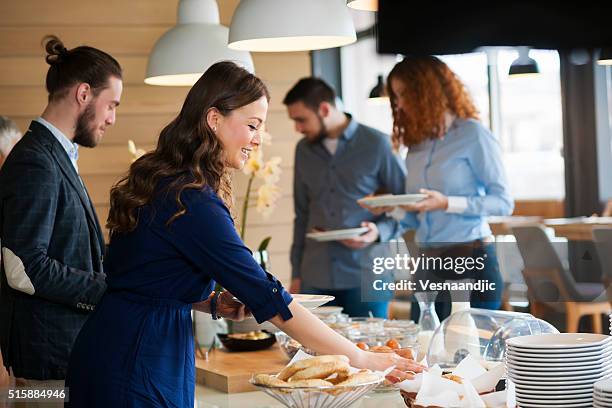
{"x": 210, "y": 398}
{"x": 223, "y": 380}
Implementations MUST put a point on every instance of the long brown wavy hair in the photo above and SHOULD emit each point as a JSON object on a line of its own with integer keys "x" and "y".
{"x": 188, "y": 151}
{"x": 431, "y": 90}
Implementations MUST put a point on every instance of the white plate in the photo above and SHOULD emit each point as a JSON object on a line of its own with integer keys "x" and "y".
{"x": 308, "y": 301}
{"x": 600, "y": 397}
{"x": 545, "y": 396}
{"x": 528, "y": 389}
{"x": 546, "y": 403}
{"x": 604, "y": 386}
{"x": 560, "y": 353}
{"x": 559, "y": 341}
{"x": 391, "y": 200}
{"x": 573, "y": 364}
{"x": 566, "y": 383}
{"x": 337, "y": 235}
{"x": 569, "y": 361}
{"x": 547, "y": 374}
{"x": 555, "y": 389}
{"x": 528, "y": 405}
{"x": 556, "y": 370}
{"x": 312, "y": 301}
{"x": 328, "y": 310}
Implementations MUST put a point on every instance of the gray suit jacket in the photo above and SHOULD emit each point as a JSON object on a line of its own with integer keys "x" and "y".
{"x": 52, "y": 247}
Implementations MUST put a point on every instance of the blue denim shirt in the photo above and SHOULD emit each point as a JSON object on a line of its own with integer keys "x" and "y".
{"x": 465, "y": 165}
{"x": 326, "y": 190}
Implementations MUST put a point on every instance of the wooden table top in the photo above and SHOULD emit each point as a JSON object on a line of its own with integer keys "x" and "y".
{"x": 577, "y": 228}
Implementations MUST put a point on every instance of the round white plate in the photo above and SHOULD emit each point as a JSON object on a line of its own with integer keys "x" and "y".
{"x": 603, "y": 396}
{"x": 560, "y": 354}
{"x": 546, "y": 403}
{"x": 337, "y": 235}
{"x": 565, "y": 360}
{"x": 391, "y": 200}
{"x": 312, "y": 301}
{"x": 559, "y": 341}
{"x": 561, "y": 388}
{"x": 604, "y": 386}
{"x": 554, "y": 397}
{"x": 573, "y": 364}
{"x": 528, "y": 405}
{"x": 561, "y": 370}
{"x": 546, "y": 375}
{"x": 551, "y": 382}
{"x": 328, "y": 310}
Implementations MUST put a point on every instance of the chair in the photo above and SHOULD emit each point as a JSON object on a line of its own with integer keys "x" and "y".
{"x": 551, "y": 285}
{"x": 602, "y": 236}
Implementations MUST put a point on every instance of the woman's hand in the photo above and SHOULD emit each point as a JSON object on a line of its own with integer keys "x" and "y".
{"x": 227, "y": 307}
{"x": 434, "y": 201}
{"x": 203, "y": 306}
{"x": 231, "y": 309}
{"x": 382, "y": 361}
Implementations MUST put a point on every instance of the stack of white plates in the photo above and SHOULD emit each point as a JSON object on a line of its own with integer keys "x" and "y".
{"x": 602, "y": 394}
{"x": 558, "y": 370}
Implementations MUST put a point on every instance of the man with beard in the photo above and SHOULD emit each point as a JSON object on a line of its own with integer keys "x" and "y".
{"x": 337, "y": 162}
{"x": 51, "y": 273}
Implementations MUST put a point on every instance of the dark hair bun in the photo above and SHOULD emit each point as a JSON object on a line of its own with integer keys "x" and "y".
{"x": 55, "y": 49}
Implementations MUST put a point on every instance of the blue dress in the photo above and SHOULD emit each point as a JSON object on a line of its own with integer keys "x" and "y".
{"x": 137, "y": 348}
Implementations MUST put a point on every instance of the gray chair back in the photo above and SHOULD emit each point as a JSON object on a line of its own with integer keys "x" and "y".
{"x": 603, "y": 244}
{"x": 546, "y": 278}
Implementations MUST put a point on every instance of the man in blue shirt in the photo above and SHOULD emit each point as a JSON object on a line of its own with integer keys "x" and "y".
{"x": 337, "y": 162}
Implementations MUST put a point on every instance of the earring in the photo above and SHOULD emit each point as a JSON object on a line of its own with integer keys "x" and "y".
{"x": 215, "y": 129}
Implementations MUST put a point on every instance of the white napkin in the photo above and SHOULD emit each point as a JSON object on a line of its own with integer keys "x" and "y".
{"x": 487, "y": 381}
{"x": 471, "y": 399}
{"x": 495, "y": 399}
{"x": 434, "y": 390}
{"x": 469, "y": 368}
{"x": 438, "y": 391}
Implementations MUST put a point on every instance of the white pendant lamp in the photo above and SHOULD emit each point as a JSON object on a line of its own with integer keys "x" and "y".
{"x": 188, "y": 49}
{"x": 365, "y": 5}
{"x": 291, "y": 25}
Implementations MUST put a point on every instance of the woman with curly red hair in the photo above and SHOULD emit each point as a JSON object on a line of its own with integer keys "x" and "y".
{"x": 456, "y": 162}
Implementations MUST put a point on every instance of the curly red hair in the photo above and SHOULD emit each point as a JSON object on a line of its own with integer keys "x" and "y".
{"x": 431, "y": 90}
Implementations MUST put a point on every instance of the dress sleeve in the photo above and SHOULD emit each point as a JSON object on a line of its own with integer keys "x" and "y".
{"x": 206, "y": 235}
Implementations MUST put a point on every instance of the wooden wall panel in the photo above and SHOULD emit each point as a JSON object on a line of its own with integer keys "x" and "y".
{"x": 128, "y": 30}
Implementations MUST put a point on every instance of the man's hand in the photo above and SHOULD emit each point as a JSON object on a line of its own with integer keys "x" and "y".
{"x": 434, "y": 201}
{"x": 296, "y": 285}
{"x": 365, "y": 239}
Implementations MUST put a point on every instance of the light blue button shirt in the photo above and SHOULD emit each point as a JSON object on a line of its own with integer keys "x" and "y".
{"x": 466, "y": 166}
{"x": 72, "y": 149}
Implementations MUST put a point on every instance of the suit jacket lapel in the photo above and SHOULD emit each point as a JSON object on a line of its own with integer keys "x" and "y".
{"x": 60, "y": 155}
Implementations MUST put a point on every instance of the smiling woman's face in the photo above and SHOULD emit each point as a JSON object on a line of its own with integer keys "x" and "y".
{"x": 239, "y": 131}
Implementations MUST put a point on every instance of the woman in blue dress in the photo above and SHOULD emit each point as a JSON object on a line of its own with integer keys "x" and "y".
{"x": 172, "y": 238}
{"x": 456, "y": 162}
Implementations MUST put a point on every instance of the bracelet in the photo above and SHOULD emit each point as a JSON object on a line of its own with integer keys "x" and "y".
{"x": 213, "y": 306}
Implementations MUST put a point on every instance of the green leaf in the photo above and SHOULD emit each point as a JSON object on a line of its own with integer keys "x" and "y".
{"x": 264, "y": 244}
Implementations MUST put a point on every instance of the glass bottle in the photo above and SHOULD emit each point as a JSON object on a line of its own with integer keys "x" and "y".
{"x": 428, "y": 320}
